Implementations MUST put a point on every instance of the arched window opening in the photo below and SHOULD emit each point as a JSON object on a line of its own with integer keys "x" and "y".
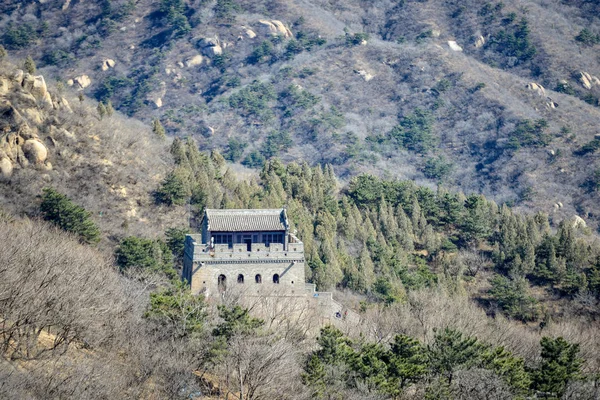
{"x": 240, "y": 278}
{"x": 276, "y": 278}
{"x": 258, "y": 278}
{"x": 222, "y": 283}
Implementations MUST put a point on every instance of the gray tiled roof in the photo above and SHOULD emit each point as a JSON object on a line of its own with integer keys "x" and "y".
{"x": 241, "y": 220}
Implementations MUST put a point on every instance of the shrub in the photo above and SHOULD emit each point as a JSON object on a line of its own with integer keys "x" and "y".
{"x": 529, "y": 133}
{"x": 415, "y": 132}
{"x": 356, "y": 39}
{"x": 514, "y": 42}
{"x": 21, "y": 36}
{"x": 173, "y": 190}
{"x": 275, "y": 143}
{"x": 437, "y": 168}
{"x": 254, "y": 100}
{"x": 235, "y": 149}
{"x": 225, "y": 10}
{"x": 61, "y": 211}
{"x": 254, "y": 160}
{"x": 29, "y": 65}
{"x": 511, "y": 296}
{"x": 144, "y": 253}
{"x": 587, "y": 37}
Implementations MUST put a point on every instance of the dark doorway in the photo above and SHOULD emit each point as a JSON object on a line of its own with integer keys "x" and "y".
{"x": 240, "y": 278}
{"x": 248, "y": 240}
{"x": 258, "y": 278}
{"x": 276, "y": 278}
{"x": 222, "y": 283}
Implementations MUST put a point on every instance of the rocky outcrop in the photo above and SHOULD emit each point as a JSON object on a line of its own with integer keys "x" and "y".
{"x": 82, "y": 81}
{"x": 274, "y": 28}
{"x": 249, "y": 33}
{"x": 364, "y": 74}
{"x": 194, "y": 61}
{"x": 586, "y": 80}
{"x": 539, "y": 89}
{"x": 454, "y": 46}
{"x": 479, "y": 42}
{"x": 6, "y": 167}
{"x": 578, "y": 222}
{"x": 108, "y": 64}
{"x": 156, "y": 96}
{"x": 210, "y": 46}
{"x": 35, "y": 151}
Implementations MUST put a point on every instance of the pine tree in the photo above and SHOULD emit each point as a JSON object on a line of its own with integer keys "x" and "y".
{"x": 60, "y": 210}
{"x": 451, "y": 351}
{"x": 560, "y": 365}
{"x": 29, "y": 65}
{"x": 176, "y": 309}
{"x": 408, "y": 361}
{"x": 101, "y": 110}
{"x": 173, "y": 190}
{"x": 109, "y": 109}
{"x": 508, "y": 367}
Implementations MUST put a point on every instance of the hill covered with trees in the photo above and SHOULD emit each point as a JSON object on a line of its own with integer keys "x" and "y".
{"x": 435, "y": 190}
{"x": 508, "y": 110}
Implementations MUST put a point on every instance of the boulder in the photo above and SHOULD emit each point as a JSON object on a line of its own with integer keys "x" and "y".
{"x": 250, "y": 34}
{"x": 6, "y": 168}
{"x": 107, "y": 64}
{"x": 33, "y": 115}
{"x": 82, "y": 81}
{"x": 66, "y": 5}
{"x": 18, "y": 76}
{"x": 193, "y": 61}
{"x": 274, "y": 28}
{"x": 282, "y": 29}
{"x": 479, "y": 42}
{"x": 4, "y": 86}
{"x": 27, "y": 82}
{"x": 551, "y": 104}
{"x": 539, "y": 89}
{"x": 35, "y": 151}
{"x": 578, "y": 222}
{"x": 60, "y": 103}
{"x": 70, "y": 82}
{"x": 210, "y": 46}
{"x": 205, "y": 129}
{"x": 364, "y": 74}
{"x": 454, "y": 46}
{"x": 39, "y": 89}
{"x": 585, "y": 79}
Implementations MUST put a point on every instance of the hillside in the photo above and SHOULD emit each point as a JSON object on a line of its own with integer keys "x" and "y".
{"x": 438, "y": 160}
{"x": 513, "y": 115}
{"x": 110, "y": 165}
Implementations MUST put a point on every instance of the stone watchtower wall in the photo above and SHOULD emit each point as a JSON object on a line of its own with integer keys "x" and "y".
{"x": 281, "y": 271}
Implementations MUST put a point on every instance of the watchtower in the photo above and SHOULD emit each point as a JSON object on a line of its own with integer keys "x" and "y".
{"x": 250, "y": 247}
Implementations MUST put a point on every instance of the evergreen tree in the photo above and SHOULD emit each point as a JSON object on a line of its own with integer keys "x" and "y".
{"x": 60, "y": 210}
{"x": 560, "y": 365}
{"x": 101, "y": 110}
{"x": 451, "y": 351}
{"x": 508, "y": 367}
{"x": 235, "y": 321}
{"x": 408, "y": 361}
{"x": 29, "y": 65}
{"x": 145, "y": 253}
{"x": 177, "y": 310}
{"x": 109, "y": 109}
{"x": 173, "y": 190}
